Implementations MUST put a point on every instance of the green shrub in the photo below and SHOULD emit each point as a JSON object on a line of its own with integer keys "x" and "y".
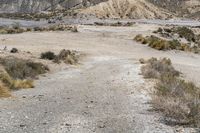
{"x": 14, "y": 50}
{"x": 48, "y": 55}
{"x": 186, "y": 33}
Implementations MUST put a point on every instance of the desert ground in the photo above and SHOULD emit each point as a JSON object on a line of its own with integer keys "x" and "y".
{"x": 105, "y": 92}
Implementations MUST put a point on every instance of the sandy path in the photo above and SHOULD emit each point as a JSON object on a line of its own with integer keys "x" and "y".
{"x": 104, "y": 94}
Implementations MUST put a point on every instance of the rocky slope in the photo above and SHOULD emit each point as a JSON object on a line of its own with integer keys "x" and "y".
{"x": 182, "y": 8}
{"x": 160, "y": 9}
{"x": 41, "y": 5}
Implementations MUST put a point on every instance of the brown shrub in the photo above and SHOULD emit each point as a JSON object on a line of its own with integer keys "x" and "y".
{"x": 67, "y": 56}
{"x": 155, "y": 68}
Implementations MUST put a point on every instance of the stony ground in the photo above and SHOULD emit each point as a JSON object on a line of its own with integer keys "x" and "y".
{"x": 105, "y": 93}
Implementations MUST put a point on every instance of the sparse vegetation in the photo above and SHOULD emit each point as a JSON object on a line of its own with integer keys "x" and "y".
{"x": 67, "y": 56}
{"x": 182, "y": 32}
{"x": 162, "y": 44}
{"x": 114, "y": 24}
{"x": 176, "y": 98}
{"x": 17, "y": 29}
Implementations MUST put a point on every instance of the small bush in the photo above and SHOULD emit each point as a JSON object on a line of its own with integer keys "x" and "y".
{"x": 140, "y": 38}
{"x": 48, "y": 55}
{"x": 156, "y": 68}
{"x": 22, "y": 69}
{"x": 38, "y": 29}
{"x": 14, "y": 50}
{"x": 74, "y": 29}
{"x": 67, "y": 57}
{"x": 185, "y": 32}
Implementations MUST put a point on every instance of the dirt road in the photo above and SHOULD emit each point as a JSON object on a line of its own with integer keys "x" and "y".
{"x": 103, "y": 94}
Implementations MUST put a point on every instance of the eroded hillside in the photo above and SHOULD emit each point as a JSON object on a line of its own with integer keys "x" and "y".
{"x": 41, "y": 5}
{"x": 127, "y": 9}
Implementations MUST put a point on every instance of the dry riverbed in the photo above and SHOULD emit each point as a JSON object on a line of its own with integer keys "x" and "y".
{"x": 104, "y": 93}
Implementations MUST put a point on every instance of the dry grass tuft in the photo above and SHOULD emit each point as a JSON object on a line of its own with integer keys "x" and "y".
{"x": 22, "y": 84}
{"x": 4, "y": 91}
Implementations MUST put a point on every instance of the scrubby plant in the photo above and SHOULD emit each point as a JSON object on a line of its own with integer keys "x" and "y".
{"x": 74, "y": 29}
{"x": 22, "y": 69}
{"x": 140, "y": 38}
{"x": 185, "y": 32}
{"x": 68, "y": 57}
{"x": 176, "y": 98}
{"x": 38, "y": 29}
{"x": 162, "y": 44}
{"x": 48, "y": 55}
{"x": 14, "y": 50}
{"x": 7, "y": 84}
{"x": 155, "y": 68}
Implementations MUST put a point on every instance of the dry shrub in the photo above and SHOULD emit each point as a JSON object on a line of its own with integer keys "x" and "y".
{"x": 69, "y": 57}
{"x": 74, "y": 29}
{"x": 155, "y": 68}
{"x": 22, "y": 69}
{"x": 162, "y": 44}
{"x": 177, "y": 99}
{"x": 141, "y": 39}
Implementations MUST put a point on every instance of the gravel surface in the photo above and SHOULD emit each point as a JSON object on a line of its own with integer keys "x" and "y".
{"x": 105, "y": 93}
